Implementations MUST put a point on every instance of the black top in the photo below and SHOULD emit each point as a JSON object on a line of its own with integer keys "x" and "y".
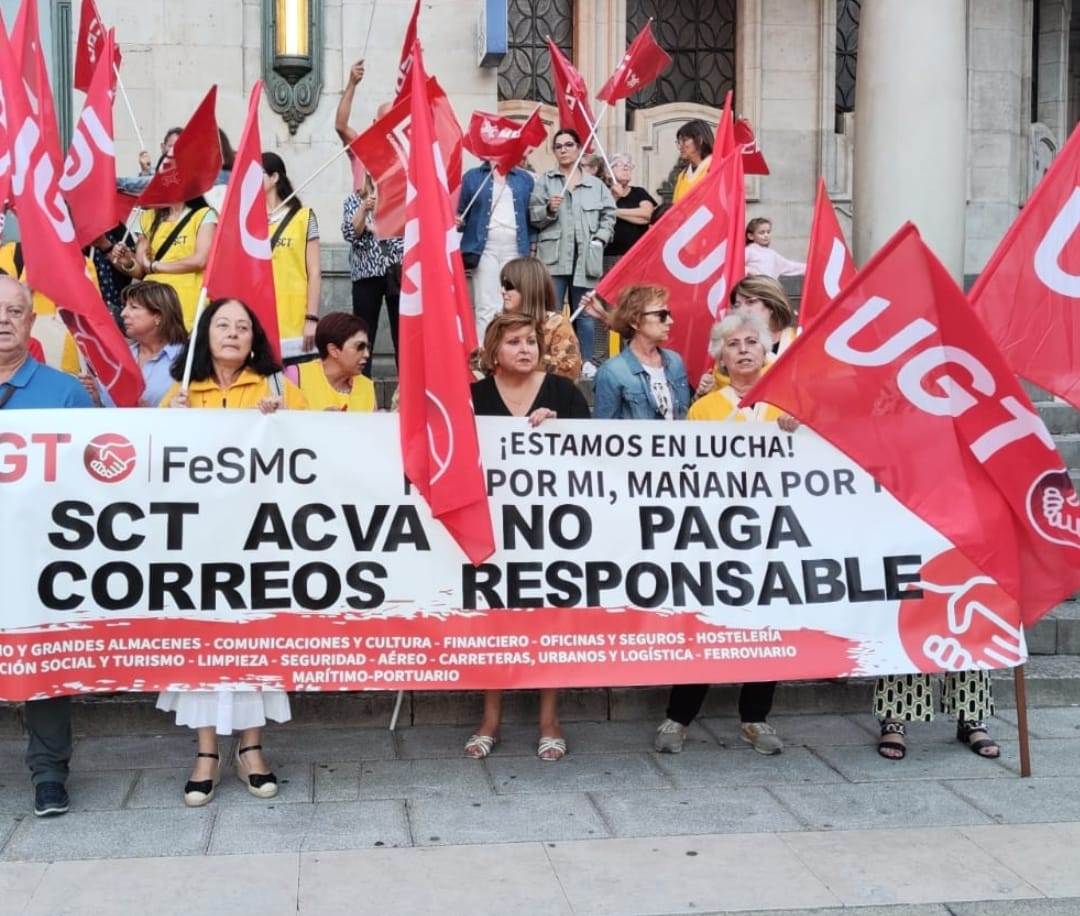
{"x": 556, "y": 393}
{"x": 628, "y": 233}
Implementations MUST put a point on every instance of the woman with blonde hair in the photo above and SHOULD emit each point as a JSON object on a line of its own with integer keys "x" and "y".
{"x": 527, "y": 288}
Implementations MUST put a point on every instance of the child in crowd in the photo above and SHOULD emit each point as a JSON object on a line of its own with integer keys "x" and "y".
{"x": 763, "y": 260}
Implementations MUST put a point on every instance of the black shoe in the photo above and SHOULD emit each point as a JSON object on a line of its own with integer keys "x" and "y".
{"x": 50, "y": 798}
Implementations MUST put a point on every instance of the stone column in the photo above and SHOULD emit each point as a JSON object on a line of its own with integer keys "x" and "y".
{"x": 911, "y": 126}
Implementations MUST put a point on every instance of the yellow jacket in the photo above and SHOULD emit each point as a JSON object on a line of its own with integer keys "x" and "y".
{"x": 248, "y": 389}
{"x": 684, "y": 182}
{"x": 321, "y": 395}
{"x": 722, "y": 404}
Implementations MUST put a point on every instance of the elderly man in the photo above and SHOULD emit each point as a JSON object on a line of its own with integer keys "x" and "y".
{"x": 26, "y": 383}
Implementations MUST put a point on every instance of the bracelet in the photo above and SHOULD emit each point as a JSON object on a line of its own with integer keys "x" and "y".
{"x": 314, "y": 318}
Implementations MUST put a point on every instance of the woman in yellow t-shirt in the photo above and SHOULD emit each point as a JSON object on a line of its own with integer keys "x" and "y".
{"x": 172, "y": 247}
{"x": 695, "y": 142}
{"x": 294, "y": 232}
{"x": 233, "y": 366}
{"x": 335, "y": 381}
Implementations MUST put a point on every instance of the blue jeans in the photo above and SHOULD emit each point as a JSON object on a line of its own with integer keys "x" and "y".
{"x": 584, "y": 325}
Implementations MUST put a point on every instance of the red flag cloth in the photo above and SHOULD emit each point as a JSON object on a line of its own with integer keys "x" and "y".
{"x": 696, "y": 251}
{"x": 829, "y": 265}
{"x": 124, "y": 203}
{"x": 239, "y": 265}
{"x": 899, "y": 374}
{"x": 405, "y": 63}
{"x": 753, "y": 159}
{"x": 26, "y": 39}
{"x": 357, "y": 170}
{"x": 89, "y": 179}
{"x": 90, "y": 45}
{"x": 439, "y": 444}
{"x": 644, "y": 61}
{"x": 1028, "y": 295}
{"x": 725, "y": 130}
{"x": 501, "y": 141}
{"x": 572, "y": 95}
{"x": 384, "y": 149}
{"x": 54, "y": 264}
{"x": 195, "y": 162}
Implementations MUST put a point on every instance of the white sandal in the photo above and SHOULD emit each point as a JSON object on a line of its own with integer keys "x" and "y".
{"x": 547, "y": 745}
{"x": 480, "y": 746}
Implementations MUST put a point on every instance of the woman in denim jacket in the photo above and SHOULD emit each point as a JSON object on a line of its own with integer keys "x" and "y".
{"x": 495, "y": 230}
{"x": 644, "y": 382}
{"x": 575, "y": 218}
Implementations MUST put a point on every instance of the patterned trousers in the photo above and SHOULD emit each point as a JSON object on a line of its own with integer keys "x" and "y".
{"x": 910, "y": 697}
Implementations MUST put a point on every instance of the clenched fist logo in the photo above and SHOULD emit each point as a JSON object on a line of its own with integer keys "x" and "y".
{"x": 964, "y": 621}
{"x": 109, "y": 458}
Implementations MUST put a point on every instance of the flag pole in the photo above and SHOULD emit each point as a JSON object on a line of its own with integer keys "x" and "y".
{"x": 186, "y": 380}
{"x": 367, "y": 37}
{"x": 592, "y": 136}
{"x": 130, "y": 110}
{"x": 322, "y": 168}
{"x": 468, "y": 206}
{"x": 1022, "y": 720}
{"x": 397, "y": 709}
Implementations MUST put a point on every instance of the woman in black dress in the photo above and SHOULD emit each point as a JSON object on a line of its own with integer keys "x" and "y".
{"x": 517, "y": 386}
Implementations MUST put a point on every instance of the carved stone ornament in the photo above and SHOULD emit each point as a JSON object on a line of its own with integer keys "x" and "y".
{"x": 293, "y": 82}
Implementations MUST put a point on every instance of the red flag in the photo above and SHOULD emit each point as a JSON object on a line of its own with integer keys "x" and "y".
{"x": 644, "y": 61}
{"x": 439, "y": 444}
{"x": 90, "y": 45}
{"x": 696, "y": 251}
{"x": 900, "y": 375}
{"x": 195, "y": 162}
{"x": 239, "y": 265}
{"x": 1028, "y": 295}
{"x": 405, "y": 63}
{"x": 89, "y": 179}
{"x": 501, "y": 141}
{"x": 384, "y": 149}
{"x": 725, "y": 130}
{"x": 30, "y": 59}
{"x": 753, "y": 159}
{"x": 54, "y": 263}
{"x": 572, "y": 96}
{"x": 829, "y": 265}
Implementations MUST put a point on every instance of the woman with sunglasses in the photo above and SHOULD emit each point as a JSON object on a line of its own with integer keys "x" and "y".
{"x": 527, "y": 288}
{"x": 574, "y": 215}
{"x": 645, "y": 381}
{"x": 336, "y": 380}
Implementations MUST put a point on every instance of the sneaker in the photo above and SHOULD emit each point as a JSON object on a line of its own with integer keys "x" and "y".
{"x": 588, "y": 370}
{"x": 762, "y": 737}
{"x": 50, "y": 798}
{"x": 670, "y": 737}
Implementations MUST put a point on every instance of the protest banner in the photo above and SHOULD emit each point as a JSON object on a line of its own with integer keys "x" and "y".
{"x": 189, "y": 549}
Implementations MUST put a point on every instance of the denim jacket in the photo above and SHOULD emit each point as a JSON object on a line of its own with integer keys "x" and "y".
{"x": 622, "y": 390}
{"x": 474, "y": 232}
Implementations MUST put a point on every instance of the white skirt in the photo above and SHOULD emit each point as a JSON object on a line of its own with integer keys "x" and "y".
{"x": 226, "y": 711}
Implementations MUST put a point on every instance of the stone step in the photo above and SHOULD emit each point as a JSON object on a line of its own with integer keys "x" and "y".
{"x": 1058, "y": 633}
{"x": 1052, "y": 680}
{"x": 1060, "y": 418}
{"x": 1068, "y": 446}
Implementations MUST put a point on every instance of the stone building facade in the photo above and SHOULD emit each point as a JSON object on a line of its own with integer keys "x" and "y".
{"x": 793, "y": 64}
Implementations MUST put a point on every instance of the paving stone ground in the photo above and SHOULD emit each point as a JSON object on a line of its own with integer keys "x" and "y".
{"x": 406, "y": 824}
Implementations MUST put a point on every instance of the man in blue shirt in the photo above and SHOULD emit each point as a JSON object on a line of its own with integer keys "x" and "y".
{"x": 26, "y": 383}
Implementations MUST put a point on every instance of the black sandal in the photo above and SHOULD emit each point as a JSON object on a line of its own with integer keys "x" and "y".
{"x": 200, "y": 792}
{"x": 892, "y": 728}
{"x": 964, "y": 731}
{"x": 261, "y": 785}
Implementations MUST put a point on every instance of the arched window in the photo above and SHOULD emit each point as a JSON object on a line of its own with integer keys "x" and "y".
{"x": 847, "y": 52}
{"x": 700, "y": 37}
{"x": 525, "y": 72}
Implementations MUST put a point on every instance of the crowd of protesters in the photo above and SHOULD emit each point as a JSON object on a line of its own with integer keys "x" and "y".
{"x": 535, "y": 247}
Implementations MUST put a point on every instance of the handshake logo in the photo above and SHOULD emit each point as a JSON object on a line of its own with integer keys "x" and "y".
{"x": 109, "y": 458}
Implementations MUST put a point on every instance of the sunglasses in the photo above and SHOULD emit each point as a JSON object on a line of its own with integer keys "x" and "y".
{"x": 570, "y": 145}
{"x": 662, "y": 315}
{"x": 508, "y": 286}
{"x": 363, "y": 347}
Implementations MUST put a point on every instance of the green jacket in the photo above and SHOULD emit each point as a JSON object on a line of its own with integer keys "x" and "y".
{"x": 587, "y": 216}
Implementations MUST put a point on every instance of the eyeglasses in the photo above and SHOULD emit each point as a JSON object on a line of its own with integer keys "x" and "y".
{"x": 362, "y": 346}
{"x": 662, "y": 315}
{"x": 508, "y": 286}
{"x": 568, "y": 145}
{"x": 679, "y": 141}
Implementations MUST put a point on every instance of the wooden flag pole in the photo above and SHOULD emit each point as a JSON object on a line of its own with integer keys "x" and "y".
{"x": 191, "y": 341}
{"x": 1022, "y": 721}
